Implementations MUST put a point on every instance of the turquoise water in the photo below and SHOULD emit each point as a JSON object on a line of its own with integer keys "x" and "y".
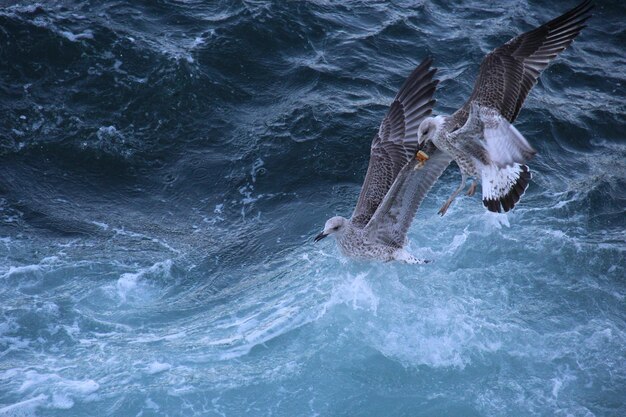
{"x": 165, "y": 165}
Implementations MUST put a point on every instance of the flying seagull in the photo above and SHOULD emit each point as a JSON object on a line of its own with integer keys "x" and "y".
{"x": 479, "y": 136}
{"x": 397, "y": 180}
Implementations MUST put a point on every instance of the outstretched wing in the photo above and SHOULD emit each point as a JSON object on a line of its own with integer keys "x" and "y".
{"x": 390, "y": 223}
{"x": 508, "y": 73}
{"x": 396, "y": 141}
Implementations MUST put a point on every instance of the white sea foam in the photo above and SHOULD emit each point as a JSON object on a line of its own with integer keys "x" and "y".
{"x": 257, "y": 168}
{"x": 457, "y": 242}
{"x": 138, "y": 285}
{"x": 36, "y": 270}
{"x": 25, "y": 408}
{"x": 157, "y": 367}
{"x": 154, "y": 338}
{"x": 151, "y": 405}
{"x": 33, "y": 379}
{"x": 62, "y": 401}
{"x": 75, "y": 37}
{"x": 496, "y": 220}
{"x": 101, "y": 225}
{"x": 438, "y": 337}
{"x": 19, "y": 270}
{"x": 355, "y": 292}
{"x": 51, "y": 390}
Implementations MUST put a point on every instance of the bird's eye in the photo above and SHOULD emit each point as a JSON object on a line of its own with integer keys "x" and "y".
{"x": 336, "y": 228}
{"x": 425, "y": 132}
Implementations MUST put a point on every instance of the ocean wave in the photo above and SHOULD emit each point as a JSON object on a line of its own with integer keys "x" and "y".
{"x": 165, "y": 166}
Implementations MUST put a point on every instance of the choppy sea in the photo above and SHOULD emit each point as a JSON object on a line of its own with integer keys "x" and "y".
{"x": 165, "y": 164}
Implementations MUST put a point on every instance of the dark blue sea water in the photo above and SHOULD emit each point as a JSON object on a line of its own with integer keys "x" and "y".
{"x": 164, "y": 166}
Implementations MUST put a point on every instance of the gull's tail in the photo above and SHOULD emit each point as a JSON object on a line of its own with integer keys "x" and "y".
{"x": 503, "y": 187}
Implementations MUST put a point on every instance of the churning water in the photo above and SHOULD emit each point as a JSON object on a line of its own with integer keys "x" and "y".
{"x": 164, "y": 166}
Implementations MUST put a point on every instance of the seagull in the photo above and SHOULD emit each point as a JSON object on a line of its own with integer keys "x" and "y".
{"x": 398, "y": 178}
{"x": 479, "y": 136}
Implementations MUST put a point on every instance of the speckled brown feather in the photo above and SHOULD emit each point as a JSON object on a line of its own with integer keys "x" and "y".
{"x": 396, "y": 141}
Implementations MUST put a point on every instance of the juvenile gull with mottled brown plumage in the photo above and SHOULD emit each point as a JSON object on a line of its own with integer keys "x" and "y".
{"x": 480, "y": 136}
{"x": 396, "y": 182}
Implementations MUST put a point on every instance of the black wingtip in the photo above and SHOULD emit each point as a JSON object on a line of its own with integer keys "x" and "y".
{"x": 426, "y": 63}
{"x": 572, "y": 18}
{"x": 421, "y": 74}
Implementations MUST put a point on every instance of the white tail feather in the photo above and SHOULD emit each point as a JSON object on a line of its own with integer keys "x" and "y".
{"x": 503, "y": 186}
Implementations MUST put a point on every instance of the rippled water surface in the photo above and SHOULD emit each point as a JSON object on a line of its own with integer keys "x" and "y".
{"x": 165, "y": 164}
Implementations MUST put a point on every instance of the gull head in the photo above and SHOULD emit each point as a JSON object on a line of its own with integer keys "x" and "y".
{"x": 428, "y": 128}
{"x": 333, "y": 225}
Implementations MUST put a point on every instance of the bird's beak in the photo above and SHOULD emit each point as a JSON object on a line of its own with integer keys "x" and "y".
{"x": 320, "y": 237}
